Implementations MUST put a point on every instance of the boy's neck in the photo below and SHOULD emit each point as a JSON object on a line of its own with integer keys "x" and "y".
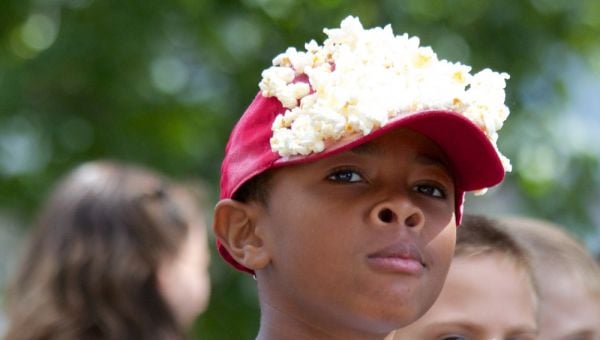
{"x": 276, "y": 324}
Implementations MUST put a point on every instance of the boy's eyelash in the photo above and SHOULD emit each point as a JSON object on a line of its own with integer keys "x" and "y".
{"x": 344, "y": 170}
{"x": 432, "y": 186}
{"x": 453, "y": 337}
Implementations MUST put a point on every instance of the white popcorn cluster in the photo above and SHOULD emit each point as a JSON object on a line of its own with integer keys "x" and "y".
{"x": 360, "y": 79}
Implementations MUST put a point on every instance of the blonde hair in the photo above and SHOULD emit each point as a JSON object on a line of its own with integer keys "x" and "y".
{"x": 552, "y": 249}
{"x": 481, "y": 235}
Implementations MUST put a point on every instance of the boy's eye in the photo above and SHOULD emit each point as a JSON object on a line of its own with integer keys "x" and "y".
{"x": 453, "y": 337}
{"x": 346, "y": 176}
{"x": 430, "y": 190}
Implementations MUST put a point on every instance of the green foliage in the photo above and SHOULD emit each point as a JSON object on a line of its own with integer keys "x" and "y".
{"x": 162, "y": 82}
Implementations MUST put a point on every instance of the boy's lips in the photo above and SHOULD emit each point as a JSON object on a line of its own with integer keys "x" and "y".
{"x": 398, "y": 258}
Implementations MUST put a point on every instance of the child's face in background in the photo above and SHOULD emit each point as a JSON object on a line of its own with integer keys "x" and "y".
{"x": 567, "y": 310}
{"x": 485, "y": 297}
{"x": 361, "y": 240}
{"x": 184, "y": 280}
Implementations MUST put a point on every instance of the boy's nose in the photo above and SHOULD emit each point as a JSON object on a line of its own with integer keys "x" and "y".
{"x": 398, "y": 212}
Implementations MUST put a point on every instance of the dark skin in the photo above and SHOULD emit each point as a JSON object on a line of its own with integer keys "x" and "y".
{"x": 351, "y": 246}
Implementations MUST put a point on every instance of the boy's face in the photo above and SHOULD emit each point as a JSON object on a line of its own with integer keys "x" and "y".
{"x": 361, "y": 240}
{"x": 484, "y": 297}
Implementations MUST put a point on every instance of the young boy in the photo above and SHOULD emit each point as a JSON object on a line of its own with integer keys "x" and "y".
{"x": 343, "y": 181}
{"x": 489, "y": 292}
{"x": 568, "y": 278}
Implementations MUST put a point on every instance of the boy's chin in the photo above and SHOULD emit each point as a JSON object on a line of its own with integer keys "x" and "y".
{"x": 388, "y": 321}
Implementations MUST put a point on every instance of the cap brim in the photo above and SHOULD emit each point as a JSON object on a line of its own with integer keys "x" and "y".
{"x": 472, "y": 158}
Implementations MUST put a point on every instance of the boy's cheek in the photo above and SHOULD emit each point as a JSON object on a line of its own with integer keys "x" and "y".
{"x": 441, "y": 247}
{"x": 440, "y": 227}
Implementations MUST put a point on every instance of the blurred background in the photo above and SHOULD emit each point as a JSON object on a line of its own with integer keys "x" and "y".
{"x": 161, "y": 83}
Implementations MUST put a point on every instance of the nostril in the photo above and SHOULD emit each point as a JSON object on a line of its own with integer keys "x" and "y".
{"x": 412, "y": 221}
{"x": 386, "y": 215}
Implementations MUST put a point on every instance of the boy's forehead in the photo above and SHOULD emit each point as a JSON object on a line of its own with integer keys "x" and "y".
{"x": 427, "y": 153}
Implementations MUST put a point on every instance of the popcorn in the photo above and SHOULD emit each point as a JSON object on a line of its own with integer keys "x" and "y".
{"x": 360, "y": 79}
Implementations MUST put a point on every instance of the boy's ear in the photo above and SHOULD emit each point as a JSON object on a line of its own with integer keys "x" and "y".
{"x": 236, "y": 228}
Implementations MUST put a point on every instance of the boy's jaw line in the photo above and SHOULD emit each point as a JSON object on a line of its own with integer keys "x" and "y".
{"x": 276, "y": 323}
{"x": 402, "y": 257}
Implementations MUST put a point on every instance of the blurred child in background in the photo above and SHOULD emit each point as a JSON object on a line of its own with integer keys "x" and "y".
{"x": 568, "y": 279}
{"x": 489, "y": 292}
{"x": 119, "y": 252}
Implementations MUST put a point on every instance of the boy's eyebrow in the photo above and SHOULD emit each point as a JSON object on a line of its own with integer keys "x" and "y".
{"x": 435, "y": 161}
{"x": 366, "y": 149}
{"x": 431, "y": 160}
{"x": 371, "y": 149}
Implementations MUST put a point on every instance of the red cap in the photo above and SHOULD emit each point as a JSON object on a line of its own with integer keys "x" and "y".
{"x": 473, "y": 159}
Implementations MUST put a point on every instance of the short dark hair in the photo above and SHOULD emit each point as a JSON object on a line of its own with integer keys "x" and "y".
{"x": 255, "y": 190}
